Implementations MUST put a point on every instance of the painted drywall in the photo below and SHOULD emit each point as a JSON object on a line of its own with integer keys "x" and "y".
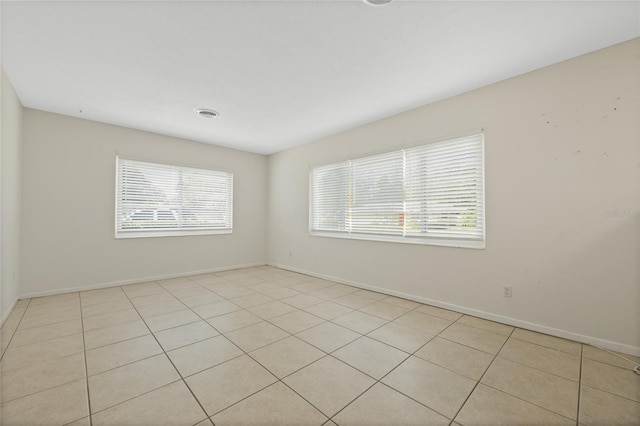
{"x": 68, "y": 205}
{"x": 562, "y": 183}
{"x": 10, "y": 164}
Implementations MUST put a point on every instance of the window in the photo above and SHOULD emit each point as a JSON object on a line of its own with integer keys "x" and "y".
{"x": 154, "y": 200}
{"x": 430, "y": 194}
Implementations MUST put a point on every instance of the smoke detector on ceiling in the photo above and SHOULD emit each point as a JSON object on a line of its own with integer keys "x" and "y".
{"x": 377, "y": 2}
{"x": 207, "y": 113}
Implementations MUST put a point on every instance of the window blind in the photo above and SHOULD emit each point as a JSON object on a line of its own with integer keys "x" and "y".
{"x": 430, "y": 192}
{"x": 330, "y": 188}
{"x": 377, "y": 194}
{"x": 158, "y": 199}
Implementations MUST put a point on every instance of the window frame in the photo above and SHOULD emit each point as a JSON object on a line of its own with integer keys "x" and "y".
{"x": 177, "y": 232}
{"x": 403, "y": 239}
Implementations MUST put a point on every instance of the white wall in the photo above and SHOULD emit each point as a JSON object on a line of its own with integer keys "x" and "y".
{"x": 68, "y": 206}
{"x": 10, "y": 164}
{"x": 562, "y": 147}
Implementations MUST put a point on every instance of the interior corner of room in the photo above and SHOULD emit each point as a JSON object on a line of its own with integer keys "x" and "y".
{"x": 561, "y": 155}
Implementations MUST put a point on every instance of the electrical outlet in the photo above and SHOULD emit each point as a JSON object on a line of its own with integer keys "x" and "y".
{"x": 290, "y": 253}
{"x": 507, "y": 291}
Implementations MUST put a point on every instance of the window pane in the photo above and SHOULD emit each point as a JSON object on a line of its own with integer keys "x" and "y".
{"x": 154, "y": 198}
{"x": 377, "y": 196}
{"x": 434, "y": 191}
{"x": 445, "y": 189}
{"x": 330, "y": 188}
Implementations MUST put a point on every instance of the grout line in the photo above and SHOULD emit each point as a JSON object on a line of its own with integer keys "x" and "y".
{"x": 171, "y": 361}
{"x": 242, "y": 399}
{"x": 119, "y": 341}
{"x": 86, "y": 368}
{"x": 324, "y": 350}
{"x": 216, "y": 365}
{"x": 482, "y": 376}
{"x": 375, "y": 382}
{"x": 288, "y": 335}
{"x": 439, "y": 336}
{"x": 528, "y": 402}
{"x": 378, "y": 316}
{"x": 44, "y": 390}
{"x": 13, "y": 333}
{"x": 613, "y": 394}
{"x": 292, "y": 312}
{"x": 377, "y": 339}
{"x": 105, "y": 313}
{"x": 242, "y": 350}
{"x": 484, "y": 329}
{"x": 215, "y": 316}
{"x": 326, "y": 354}
{"x": 508, "y": 359}
{"x": 181, "y": 379}
{"x": 142, "y": 394}
{"x": 43, "y": 360}
{"x": 515, "y": 396}
{"x": 380, "y": 380}
{"x": 251, "y": 357}
{"x": 280, "y": 380}
{"x": 635, "y": 364}
{"x": 538, "y": 369}
{"x": 513, "y": 328}
{"x": 580, "y": 384}
{"x": 549, "y": 347}
{"x": 49, "y": 323}
{"x": 84, "y": 349}
{"x": 128, "y": 363}
{"x": 175, "y": 326}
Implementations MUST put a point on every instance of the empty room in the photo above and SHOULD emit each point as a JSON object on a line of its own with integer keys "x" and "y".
{"x": 316, "y": 212}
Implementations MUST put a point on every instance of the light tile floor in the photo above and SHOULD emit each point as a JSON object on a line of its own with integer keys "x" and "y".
{"x": 264, "y": 346}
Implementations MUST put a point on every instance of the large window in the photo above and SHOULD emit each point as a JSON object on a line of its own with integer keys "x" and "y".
{"x": 430, "y": 194}
{"x": 155, "y": 200}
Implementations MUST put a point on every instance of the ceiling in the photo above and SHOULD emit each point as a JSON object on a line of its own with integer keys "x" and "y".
{"x": 283, "y": 73}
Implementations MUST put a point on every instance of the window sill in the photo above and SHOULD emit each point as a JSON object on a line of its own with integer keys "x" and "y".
{"x": 177, "y": 233}
{"x": 479, "y": 245}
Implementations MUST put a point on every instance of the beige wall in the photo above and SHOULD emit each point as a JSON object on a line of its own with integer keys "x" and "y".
{"x": 10, "y": 163}
{"x": 562, "y": 147}
{"x": 69, "y": 200}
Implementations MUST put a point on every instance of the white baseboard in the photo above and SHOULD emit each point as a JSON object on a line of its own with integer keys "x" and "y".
{"x": 6, "y": 314}
{"x": 133, "y": 281}
{"x": 594, "y": 341}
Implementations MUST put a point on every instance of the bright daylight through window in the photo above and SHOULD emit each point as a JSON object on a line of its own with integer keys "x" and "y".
{"x": 430, "y": 194}
{"x": 155, "y": 200}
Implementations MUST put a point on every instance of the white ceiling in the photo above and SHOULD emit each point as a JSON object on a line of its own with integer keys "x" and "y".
{"x": 283, "y": 73}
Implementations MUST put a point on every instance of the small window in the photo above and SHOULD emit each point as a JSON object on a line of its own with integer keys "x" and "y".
{"x": 154, "y": 200}
{"x": 430, "y": 194}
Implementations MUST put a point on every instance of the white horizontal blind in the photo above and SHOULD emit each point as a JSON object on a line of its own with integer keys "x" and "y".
{"x": 330, "y": 195}
{"x": 159, "y": 199}
{"x": 377, "y": 194}
{"x": 445, "y": 190}
{"x": 431, "y": 192}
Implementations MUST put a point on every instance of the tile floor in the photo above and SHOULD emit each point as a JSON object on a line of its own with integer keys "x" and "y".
{"x": 263, "y": 346}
